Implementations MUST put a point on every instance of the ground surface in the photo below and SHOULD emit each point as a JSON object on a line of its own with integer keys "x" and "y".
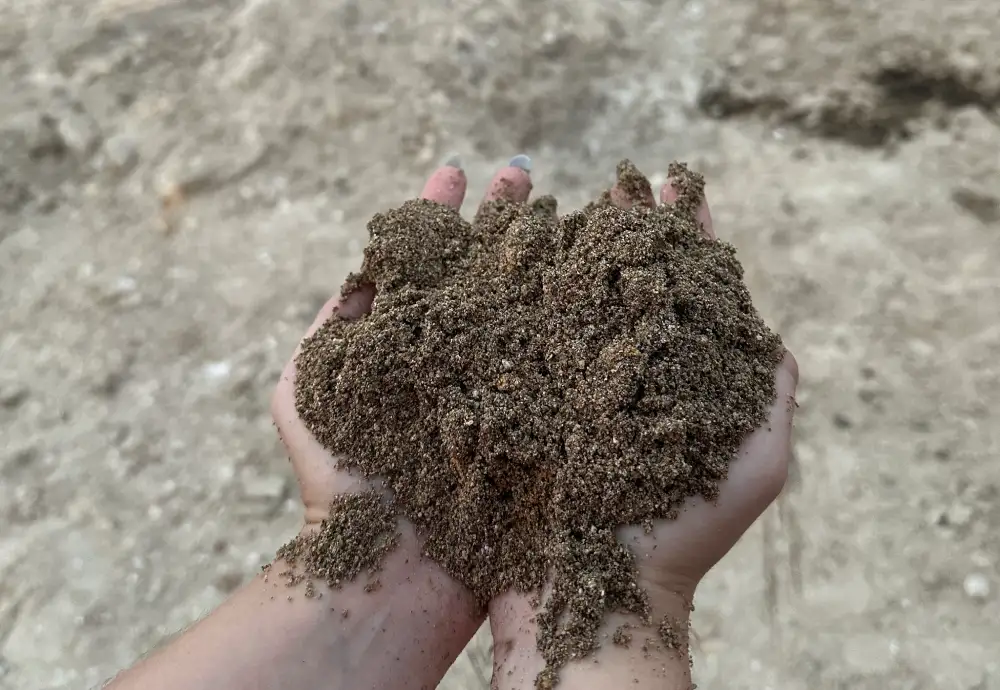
{"x": 853, "y": 155}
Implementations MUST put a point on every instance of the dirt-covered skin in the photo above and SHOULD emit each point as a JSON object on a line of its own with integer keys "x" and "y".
{"x": 199, "y": 186}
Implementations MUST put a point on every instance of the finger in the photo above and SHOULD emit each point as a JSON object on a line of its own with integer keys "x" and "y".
{"x": 512, "y": 183}
{"x": 354, "y": 305}
{"x": 632, "y": 188}
{"x": 669, "y": 194}
{"x": 790, "y": 366}
{"x": 447, "y": 184}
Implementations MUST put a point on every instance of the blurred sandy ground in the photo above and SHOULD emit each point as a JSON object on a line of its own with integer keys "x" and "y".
{"x": 183, "y": 183}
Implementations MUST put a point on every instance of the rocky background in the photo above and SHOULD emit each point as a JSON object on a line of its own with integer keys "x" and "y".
{"x": 184, "y": 182}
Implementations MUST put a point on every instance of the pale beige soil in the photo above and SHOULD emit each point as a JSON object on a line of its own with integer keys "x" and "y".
{"x": 853, "y": 156}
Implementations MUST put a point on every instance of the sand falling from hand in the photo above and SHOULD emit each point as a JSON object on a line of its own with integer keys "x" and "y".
{"x": 527, "y": 383}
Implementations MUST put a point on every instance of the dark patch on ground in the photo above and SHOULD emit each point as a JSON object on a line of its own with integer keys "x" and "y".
{"x": 881, "y": 108}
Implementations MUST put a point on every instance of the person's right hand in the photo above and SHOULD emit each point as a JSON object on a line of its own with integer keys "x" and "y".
{"x": 671, "y": 560}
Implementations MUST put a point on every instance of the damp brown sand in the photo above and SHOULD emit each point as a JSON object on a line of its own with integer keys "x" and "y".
{"x": 357, "y": 534}
{"x": 525, "y": 384}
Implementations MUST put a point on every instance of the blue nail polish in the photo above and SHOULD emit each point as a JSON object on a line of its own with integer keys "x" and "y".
{"x": 453, "y": 161}
{"x": 521, "y": 161}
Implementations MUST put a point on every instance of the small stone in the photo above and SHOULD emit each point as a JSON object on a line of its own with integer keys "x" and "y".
{"x": 976, "y": 586}
{"x": 867, "y": 395}
{"x": 228, "y": 582}
{"x": 842, "y": 421}
{"x": 937, "y": 517}
{"x": 868, "y": 654}
{"x": 958, "y": 515}
{"x": 24, "y": 458}
{"x": 14, "y": 195}
{"x": 216, "y": 371}
{"x": 271, "y": 487}
{"x": 225, "y": 473}
{"x": 110, "y": 383}
{"x": 122, "y": 291}
{"x": 41, "y": 135}
{"x": 79, "y": 132}
{"x": 46, "y": 202}
{"x": 942, "y": 454}
{"x": 121, "y": 153}
{"x": 981, "y": 559}
{"x": 12, "y": 395}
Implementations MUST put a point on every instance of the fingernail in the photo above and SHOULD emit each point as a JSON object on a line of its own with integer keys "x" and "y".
{"x": 453, "y": 161}
{"x": 521, "y": 161}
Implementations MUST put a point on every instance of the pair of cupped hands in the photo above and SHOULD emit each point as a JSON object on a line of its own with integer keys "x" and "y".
{"x": 421, "y": 618}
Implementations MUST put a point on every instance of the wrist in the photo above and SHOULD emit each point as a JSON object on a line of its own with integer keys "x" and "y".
{"x": 632, "y": 652}
{"x": 399, "y": 626}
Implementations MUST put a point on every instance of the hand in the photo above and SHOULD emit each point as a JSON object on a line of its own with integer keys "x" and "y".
{"x": 671, "y": 560}
{"x": 319, "y": 478}
{"x": 429, "y": 643}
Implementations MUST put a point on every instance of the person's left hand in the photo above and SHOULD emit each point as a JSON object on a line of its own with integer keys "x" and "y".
{"x": 420, "y": 615}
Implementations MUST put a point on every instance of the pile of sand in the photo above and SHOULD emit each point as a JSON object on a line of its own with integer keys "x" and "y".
{"x": 525, "y": 384}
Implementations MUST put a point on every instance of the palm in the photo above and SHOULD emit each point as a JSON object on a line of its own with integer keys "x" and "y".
{"x": 678, "y": 553}
{"x": 319, "y": 476}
